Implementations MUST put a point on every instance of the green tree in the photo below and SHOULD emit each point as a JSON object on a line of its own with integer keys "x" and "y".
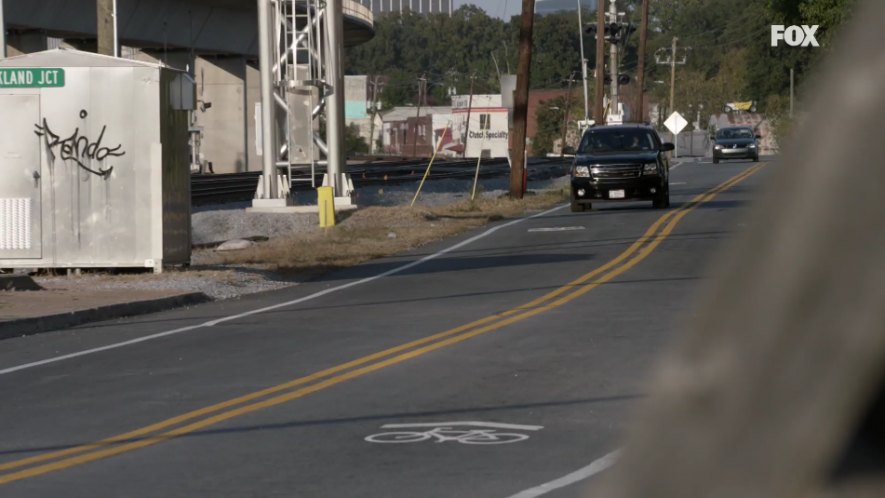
{"x": 354, "y": 144}
{"x": 551, "y": 116}
{"x": 556, "y": 49}
{"x": 401, "y": 88}
{"x": 769, "y": 68}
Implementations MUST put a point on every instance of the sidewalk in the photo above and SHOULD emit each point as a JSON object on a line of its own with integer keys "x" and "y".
{"x": 62, "y": 305}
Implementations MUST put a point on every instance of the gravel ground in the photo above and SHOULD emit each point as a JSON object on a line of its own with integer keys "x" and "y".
{"x": 217, "y": 283}
{"x": 215, "y": 224}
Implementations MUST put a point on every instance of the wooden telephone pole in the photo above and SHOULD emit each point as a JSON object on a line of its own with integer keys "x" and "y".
{"x": 521, "y": 100}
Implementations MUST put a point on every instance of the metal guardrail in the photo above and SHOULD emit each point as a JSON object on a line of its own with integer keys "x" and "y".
{"x": 222, "y": 188}
{"x": 239, "y": 187}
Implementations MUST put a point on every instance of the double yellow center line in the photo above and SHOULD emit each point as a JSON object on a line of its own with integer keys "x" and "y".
{"x": 200, "y": 419}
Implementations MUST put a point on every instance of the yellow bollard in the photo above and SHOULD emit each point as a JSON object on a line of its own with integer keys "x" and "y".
{"x": 326, "y": 203}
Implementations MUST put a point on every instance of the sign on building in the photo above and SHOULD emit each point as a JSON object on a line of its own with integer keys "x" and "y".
{"x": 32, "y": 78}
{"x": 487, "y": 132}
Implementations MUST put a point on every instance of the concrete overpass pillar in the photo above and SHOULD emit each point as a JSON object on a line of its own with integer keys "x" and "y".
{"x": 223, "y": 112}
{"x": 25, "y": 42}
{"x": 227, "y": 91}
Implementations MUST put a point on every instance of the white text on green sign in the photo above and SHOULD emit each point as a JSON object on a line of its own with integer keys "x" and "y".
{"x": 31, "y": 77}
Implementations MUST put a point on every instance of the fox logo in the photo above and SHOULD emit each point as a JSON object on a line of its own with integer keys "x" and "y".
{"x": 794, "y": 36}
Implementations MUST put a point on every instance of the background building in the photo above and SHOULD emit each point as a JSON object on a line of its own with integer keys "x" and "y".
{"x": 488, "y": 133}
{"x": 410, "y": 132}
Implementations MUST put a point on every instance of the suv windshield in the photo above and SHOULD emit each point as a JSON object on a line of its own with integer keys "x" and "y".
{"x": 616, "y": 141}
{"x": 735, "y": 133}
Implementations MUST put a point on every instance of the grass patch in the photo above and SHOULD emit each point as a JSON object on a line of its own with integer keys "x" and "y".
{"x": 377, "y": 232}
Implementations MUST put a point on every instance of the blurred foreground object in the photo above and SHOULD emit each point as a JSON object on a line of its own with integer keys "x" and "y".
{"x": 776, "y": 390}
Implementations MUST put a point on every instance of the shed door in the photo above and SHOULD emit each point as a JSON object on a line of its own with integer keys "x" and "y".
{"x": 20, "y": 220}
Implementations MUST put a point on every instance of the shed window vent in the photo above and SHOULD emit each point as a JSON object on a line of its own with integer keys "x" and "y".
{"x": 15, "y": 224}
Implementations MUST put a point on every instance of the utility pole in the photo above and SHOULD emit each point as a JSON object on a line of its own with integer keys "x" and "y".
{"x": 521, "y": 100}
{"x": 469, "y": 110}
{"x": 583, "y": 63}
{"x": 672, "y": 61}
{"x": 335, "y": 104}
{"x": 105, "y": 28}
{"x": 2, "y": 32}
{"x": 568, "y": 107}
{"x": 613, "y": 63}
{"x": 422, "y": 81}
{"x": 643, "y": 41}
{"x": 791, "y": 92}
{"x": 268, "y": 138}
{"x": 673, "y": 75}
{"x": 599, "y": 108}
{"x": 116, "y": 31}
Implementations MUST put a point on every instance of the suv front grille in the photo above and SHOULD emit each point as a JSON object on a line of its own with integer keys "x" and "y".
{"x": 616, "y": 171}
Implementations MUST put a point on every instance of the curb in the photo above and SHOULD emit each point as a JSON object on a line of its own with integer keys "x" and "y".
{"x": 18, "y": 283}
{"x": 36, "y": 325}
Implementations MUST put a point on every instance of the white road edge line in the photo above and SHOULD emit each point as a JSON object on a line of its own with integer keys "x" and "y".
{"x": 493, "y": 425}
{"x": 579, "y": 475}
{"x": 212, "y": 323}
{"x": 557, "y": 229}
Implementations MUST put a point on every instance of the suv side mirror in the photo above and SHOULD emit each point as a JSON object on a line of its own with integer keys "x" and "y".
{"x": 712, "y": 137}
{"x": 667, "y": 147}
{"x": 569, "y": 150}
{"x": 758, "y": 136}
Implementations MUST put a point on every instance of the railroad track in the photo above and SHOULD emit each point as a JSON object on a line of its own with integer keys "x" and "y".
{"x": 238, "y": 187}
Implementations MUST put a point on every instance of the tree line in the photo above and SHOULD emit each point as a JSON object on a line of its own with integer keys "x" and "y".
{"x": 727, "y": 52}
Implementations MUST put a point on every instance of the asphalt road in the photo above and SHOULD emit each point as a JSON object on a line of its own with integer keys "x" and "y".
{"x": 537, "y": 335}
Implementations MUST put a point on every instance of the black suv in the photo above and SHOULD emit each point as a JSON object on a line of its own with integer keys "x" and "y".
{"x": 621, "y": 162}
{"x": 735, "y": 142}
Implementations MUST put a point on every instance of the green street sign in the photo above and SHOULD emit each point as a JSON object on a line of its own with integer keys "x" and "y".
{"x": 24, "y": 77}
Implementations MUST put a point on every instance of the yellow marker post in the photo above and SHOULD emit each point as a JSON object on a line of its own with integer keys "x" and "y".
{"x": 326, "y": 203}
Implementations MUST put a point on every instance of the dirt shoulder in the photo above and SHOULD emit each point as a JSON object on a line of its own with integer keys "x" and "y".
{"x": 377, "y": 232}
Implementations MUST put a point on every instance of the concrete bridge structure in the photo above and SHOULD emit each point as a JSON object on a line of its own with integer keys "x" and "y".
{"x": 217, "y": 40}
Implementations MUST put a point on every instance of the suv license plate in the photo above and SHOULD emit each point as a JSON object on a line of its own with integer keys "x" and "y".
{"x": 616, "y": 194}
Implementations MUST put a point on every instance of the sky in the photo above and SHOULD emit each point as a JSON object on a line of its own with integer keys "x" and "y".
{"x": 504, "y": 8}
{"x": 497, "y": 8}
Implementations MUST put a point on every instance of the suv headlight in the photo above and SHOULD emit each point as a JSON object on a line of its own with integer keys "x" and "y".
{"x": 650, "y": 169}
{"x": 752, "y": 146}
{"x": 582, "y": 171}
{"x": 717, "y": 147}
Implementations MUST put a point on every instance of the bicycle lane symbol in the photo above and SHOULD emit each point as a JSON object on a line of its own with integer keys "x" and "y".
{"x": 460, "y": 432}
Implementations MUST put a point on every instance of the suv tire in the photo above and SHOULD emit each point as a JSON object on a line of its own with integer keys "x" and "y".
{"x": 578, "y": 207}
{"x": 662, "y": 201}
